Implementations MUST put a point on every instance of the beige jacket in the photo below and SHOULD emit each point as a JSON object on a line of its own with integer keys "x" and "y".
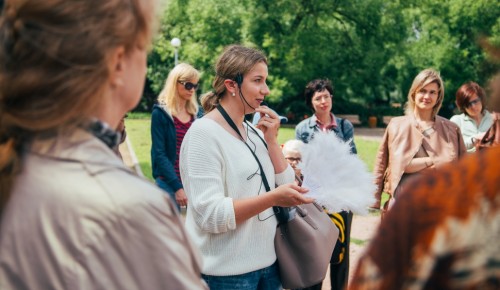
{"x": 79, "y": 219}
{"x": 402, "y": 140}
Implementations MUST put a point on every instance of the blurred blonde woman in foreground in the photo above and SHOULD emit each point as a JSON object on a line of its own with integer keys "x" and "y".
{"x": 72, "y": 216}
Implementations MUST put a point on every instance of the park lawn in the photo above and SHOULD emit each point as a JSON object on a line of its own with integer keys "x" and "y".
{"x": 139, "y": 131}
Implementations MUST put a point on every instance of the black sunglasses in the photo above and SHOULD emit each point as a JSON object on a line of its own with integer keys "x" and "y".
{"x": 476, "y": 101}
{"x": 189, "y": 85}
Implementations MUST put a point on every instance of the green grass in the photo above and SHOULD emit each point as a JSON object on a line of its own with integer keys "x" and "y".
{"x": 139, "y": 132}
{"x": 285, "y": 134}
{"x": 367, "y": 150}
{"x": 359, "y": 242}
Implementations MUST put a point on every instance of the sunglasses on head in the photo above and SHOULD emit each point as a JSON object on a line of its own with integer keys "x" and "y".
{"x": 189, "y": 85}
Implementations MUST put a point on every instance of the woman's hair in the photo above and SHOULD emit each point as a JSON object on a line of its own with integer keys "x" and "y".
{"x": 425, "y": 77}
{"x": 235, "y": 60}
{"x": 314, "y": 86}
{"x": 54, "y": 66}
{"x": 494, "y": 103}
{"x": 468, "y": 92}
{"x": 293, "y": 145}
{"x": 169, "y": 96}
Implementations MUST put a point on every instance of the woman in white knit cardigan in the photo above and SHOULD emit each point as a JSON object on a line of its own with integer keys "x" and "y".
{"x": 230, "y": 215}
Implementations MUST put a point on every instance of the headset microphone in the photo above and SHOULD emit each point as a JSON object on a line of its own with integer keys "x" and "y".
{"x": 239, "y": 81}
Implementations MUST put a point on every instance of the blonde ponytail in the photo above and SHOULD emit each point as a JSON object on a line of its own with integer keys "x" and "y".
{"x": 209, "y": 101}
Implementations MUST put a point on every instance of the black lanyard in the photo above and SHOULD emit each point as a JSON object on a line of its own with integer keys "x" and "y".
{"x": 280, "y": 212}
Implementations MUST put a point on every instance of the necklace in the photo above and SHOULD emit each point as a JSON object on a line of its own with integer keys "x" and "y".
{"x": 427, "y": 132}
{"x": 426, "y": 127}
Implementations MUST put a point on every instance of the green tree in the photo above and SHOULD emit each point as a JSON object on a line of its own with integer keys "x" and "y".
{"x": 370, "y": 49}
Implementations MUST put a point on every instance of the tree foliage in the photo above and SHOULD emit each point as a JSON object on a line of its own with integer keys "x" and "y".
{"x": 370, "y": 49}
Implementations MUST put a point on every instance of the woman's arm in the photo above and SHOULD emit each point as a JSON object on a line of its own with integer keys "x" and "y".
{"x": 380, "y": 168}
{"x": 162, "y": 164}
{"x": 277, "y": 157}
{"x": 269, "y": 124}
{"x": 285, "y": 195}
{"x": 418, "y": 164}
{"x": 348, "y": 133}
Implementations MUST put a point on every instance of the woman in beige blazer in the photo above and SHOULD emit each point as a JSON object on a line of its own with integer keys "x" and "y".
{"x": 72, "y": 216}
{"x": 420, "y": 140}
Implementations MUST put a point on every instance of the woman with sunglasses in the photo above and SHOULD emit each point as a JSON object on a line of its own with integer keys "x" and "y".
{"x": 475, "y": 120}
{"x": 418, "y": 141}
{"x": 176, "y": 110}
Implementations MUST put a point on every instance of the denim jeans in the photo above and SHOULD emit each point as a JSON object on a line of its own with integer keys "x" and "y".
{"x": 264, "y": 279}
{"x": 163, "y": 185}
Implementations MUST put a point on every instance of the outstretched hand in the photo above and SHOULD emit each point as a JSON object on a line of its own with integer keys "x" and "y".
{"x": 290, "y": 194}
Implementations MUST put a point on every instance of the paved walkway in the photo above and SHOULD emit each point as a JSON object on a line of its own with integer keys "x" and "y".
{"x": 375, "y": 134}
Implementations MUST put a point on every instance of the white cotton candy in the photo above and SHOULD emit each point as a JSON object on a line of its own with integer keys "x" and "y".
{"x": 337, "y": 179}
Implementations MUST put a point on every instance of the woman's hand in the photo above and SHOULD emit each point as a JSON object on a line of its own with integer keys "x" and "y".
{"x": 269, "y": 123}
{"x": 290, "y": 194}
{"x": 181, "y": 198}
{"x": 478, "y": 137}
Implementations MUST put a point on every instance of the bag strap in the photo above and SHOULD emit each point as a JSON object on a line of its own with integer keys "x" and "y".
{"x": 280, "y": 212}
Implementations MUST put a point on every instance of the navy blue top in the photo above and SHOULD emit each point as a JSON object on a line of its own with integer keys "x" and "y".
{"x": 163, "y": 147}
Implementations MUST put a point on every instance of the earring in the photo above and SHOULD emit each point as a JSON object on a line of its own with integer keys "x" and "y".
{"x": 232, "y": 94}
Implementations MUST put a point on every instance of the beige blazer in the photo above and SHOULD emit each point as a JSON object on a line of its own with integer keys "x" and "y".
{"x": 79, "y": 219}
{"x": 402, "y": 140}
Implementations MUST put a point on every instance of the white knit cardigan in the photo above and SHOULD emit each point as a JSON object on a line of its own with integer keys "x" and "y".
{"x": 216, "y": 167}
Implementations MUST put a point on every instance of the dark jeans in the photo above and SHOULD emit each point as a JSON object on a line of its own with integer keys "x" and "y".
{"x": 264, "y": 279}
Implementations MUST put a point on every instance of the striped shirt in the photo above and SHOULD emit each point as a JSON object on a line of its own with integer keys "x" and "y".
{"x": 180, "y": 131}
